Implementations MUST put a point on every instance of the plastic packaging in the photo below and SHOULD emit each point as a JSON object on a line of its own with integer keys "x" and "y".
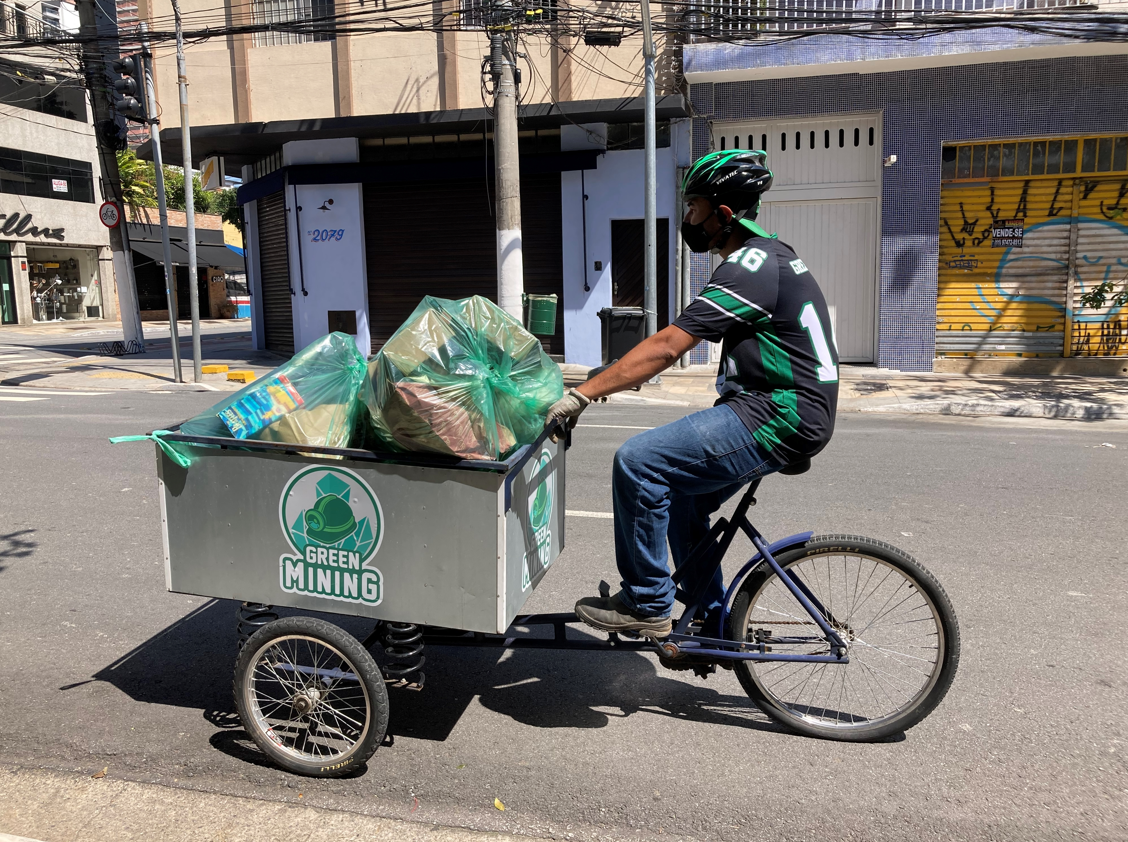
{"x": 312, "y": 399}
{"x": 462, "y": 378}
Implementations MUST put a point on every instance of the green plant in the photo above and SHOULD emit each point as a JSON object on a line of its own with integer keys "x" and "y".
{"x": 137, "y": 181}
{"x": 1096, "y": 298}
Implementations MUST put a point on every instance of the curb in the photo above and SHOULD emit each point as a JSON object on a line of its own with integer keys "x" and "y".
{"x": 58, "y": 806}
{"x": 1073, "y": 411}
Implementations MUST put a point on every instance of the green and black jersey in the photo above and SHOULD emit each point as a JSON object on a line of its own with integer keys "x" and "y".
{"x": 779, "y": 363}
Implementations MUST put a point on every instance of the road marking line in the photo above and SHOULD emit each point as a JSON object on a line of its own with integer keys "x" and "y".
{"x": 11, "y": 398}
{"x": 601, "y": 515}
{"x": 24, "y": 390}
{"x": 615, "y": 427}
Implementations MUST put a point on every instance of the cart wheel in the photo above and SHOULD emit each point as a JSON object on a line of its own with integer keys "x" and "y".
{"x": 311, "y": 697}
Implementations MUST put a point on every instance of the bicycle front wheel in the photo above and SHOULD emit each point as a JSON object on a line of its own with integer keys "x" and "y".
{"x": 899, "y": 627}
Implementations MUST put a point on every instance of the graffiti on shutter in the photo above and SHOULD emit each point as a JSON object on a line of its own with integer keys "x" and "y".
{"x": 1004, "y": 251}
{"x": 1102, "y": 256}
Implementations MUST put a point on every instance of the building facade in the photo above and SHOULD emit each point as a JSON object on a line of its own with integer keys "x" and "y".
{"x": 55, "y": 261}
{"x": 956, "y": 196}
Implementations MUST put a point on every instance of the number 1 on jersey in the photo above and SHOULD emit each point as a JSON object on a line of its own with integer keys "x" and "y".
{"x": 827, "y": 371}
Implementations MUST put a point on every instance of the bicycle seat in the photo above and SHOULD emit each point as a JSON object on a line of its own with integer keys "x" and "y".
{"x": 797, "y": 468}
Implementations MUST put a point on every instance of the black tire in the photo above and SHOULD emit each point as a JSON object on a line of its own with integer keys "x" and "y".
{"x": 764, "y": 681}
{"x": 284, "y": 702}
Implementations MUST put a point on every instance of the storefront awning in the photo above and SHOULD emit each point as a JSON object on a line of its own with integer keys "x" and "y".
{"x": 219, "y": 257}
{"x": 155, "y": 252}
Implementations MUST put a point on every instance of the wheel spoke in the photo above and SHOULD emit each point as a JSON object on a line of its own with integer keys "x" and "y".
{"x": 891, "y": 627}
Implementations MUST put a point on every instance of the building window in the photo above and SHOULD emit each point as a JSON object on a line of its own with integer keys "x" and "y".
{"x": 631, "y": 135}
{"x": 37, "y": 90}
{"x": 45, "y": 176}
{"x": 299, "y": 21}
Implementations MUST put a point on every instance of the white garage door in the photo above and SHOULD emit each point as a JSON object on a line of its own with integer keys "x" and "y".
{"x": 824, "y": 204}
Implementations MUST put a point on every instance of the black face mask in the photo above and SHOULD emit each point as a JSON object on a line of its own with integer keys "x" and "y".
{"x": 696, "y": 237}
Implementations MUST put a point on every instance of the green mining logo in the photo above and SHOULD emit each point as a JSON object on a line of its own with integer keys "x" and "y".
{"x": 334, "y": 523}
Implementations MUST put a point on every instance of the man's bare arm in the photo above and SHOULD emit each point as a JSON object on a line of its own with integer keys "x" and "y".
{"x": 651, "y": 356}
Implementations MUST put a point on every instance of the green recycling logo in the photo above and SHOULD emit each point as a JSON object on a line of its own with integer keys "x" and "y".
{"x": 334, "y": 523}
{"x": 540, "y": 515}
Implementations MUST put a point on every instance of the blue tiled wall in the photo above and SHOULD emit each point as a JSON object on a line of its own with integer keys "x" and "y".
{"x": 921, "y": 109}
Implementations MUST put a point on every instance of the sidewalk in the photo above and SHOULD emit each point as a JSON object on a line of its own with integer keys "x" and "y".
{"x": 862, "y": 388}
{"x": 39, "y": 806}
{"x": 868, "y": 389}
{"x": 69, "y": 364}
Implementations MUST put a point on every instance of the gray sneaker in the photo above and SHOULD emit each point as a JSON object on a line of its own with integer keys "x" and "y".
{"x": 610, "y": 614}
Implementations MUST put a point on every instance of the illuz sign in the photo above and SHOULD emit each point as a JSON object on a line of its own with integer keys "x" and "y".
{"x": 17, "y": 225}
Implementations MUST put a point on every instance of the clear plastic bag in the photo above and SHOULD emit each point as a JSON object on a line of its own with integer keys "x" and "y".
{"x": 313, "y": 399}
{"x": 462, "y": 378}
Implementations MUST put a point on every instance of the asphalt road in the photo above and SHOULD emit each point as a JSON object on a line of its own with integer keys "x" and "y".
{"x": 1022, "y": 522}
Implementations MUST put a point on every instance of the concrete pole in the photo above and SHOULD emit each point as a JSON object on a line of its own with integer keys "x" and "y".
{"x": 94, "y": 59}
{"x": 650, "y": 180}
{"x": 189, "y": 197}
{"x": 162, "y": 204}
{"x": 507, "y": 168}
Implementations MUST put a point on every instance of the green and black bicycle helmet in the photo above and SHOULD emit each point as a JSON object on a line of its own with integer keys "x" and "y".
{"x": 735, "y": 178}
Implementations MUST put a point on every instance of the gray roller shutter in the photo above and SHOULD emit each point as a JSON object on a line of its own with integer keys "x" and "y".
{"x": 274, "y": 261}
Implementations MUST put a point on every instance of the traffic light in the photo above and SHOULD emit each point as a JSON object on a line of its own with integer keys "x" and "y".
{"x": 130, "y": 99}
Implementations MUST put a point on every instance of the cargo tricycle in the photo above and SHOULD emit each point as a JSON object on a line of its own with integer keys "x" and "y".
{"x": 834, "y": 636}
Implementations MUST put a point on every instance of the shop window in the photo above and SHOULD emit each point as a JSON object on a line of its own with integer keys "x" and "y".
{"x": 1104, "y": 154}
{"x": 993, "y": 161}
{"x": 963, "y": 168}
{"x": 948, "y": 156}
{"x": 1069, "y": 156}
{"x": 1007, "y": 166}
{"x": 1022, "y": 159}
{"x": 632, "y": 135}
{"x": 316, "y": 15}
{"x": 1120, "y": 154}
{"x": 978, "y": 161}
{"x": 1038, "y": 158}
{"x": 64, "y": 284}
{"x": 45, "y": 176}
{"x": 1053, "y": 157}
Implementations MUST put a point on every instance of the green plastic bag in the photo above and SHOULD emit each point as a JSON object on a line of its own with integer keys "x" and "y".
{"x": 462, "y": 378}
{"x": 313, "y": 399}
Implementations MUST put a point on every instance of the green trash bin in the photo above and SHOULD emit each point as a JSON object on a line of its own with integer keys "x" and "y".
{"x": 540, "y": 314}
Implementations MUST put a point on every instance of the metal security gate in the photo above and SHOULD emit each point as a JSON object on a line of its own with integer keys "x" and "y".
{"x": 459, "y": 259}
{"x": 274, "y": 263}
{"x": 1101, "y": 256}
{"x": 825, "y": 203}
{"x": 1027, "y": 227}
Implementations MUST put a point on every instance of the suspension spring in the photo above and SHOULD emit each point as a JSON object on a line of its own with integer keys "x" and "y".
{"x": 403, "y": 654}
{"x": 252, "y": 617}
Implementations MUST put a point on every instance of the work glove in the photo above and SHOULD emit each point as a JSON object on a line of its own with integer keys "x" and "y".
{"x": 566, "y": 411}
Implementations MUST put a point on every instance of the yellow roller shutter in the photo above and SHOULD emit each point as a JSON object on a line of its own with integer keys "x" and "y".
{"x": 1102, "y": 255}
{"x": 1004, "y": 253}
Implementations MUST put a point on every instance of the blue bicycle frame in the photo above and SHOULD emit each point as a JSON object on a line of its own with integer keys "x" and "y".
{"x": 706, "y": 557}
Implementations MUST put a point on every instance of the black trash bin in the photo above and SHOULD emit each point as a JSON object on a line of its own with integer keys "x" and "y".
{"x": 623, "y": 329}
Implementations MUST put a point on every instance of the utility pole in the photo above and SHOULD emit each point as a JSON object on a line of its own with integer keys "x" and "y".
{"x": 650, "y": 173}
{"x": 507, "y": 166}
{"x": 94, "y": 60}
{"x": 189, "y": 197}
{"x": 162, "y": 205}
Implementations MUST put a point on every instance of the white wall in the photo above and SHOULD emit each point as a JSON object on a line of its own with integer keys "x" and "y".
{"x": 327, "y": 273}
{"x": 615, "y": 191}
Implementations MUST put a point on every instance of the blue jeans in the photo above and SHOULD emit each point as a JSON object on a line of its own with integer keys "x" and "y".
{"x": 667, "y": 482}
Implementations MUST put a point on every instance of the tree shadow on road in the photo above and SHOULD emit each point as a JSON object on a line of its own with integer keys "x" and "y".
{"x": 16, "y": 545}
